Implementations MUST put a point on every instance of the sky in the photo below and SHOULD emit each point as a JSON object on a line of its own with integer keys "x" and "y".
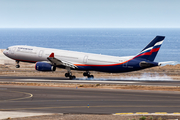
{"x": 89, "y": 13}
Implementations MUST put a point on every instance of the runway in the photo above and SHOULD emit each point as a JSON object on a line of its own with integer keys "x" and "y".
{"x": 84, "y": 100}
{"x": 81, "y": 100}
{"x": 89, "y": 81}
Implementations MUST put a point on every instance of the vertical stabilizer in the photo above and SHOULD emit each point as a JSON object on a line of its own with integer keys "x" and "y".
{"x": 151, "y": 50}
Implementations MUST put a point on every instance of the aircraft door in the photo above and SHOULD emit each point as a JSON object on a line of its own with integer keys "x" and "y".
{"x": 40, "y": 53}
{"x": 85, "y": 59}
{"x": 125, "y": 65}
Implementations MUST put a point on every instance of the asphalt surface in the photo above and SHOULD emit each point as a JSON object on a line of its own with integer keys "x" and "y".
{"x": 153, "y": 82}
{"x": 83, "y": 100}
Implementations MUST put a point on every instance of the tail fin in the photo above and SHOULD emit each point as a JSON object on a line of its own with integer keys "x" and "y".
{"x": 151, "y": 50}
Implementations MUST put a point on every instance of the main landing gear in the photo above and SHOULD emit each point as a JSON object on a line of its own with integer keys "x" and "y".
{"x": 17, "y": 62}
{"x": 87, "y": 73}
{"x": 69, "y": 74}
{"x": 71, "y": 77}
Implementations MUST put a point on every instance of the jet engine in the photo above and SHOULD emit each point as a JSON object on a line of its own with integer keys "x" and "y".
{"x": 43, "y": 66}
{"x": 145, "y": 64}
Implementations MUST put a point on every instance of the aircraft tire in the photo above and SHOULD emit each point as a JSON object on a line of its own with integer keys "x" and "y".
{"x": 67, "y": 75}
{"x": 90, "y": 76}
{"x": 17, "y": 66}
{"x": 72, "y": 77}
{"x": 85, "y": 74}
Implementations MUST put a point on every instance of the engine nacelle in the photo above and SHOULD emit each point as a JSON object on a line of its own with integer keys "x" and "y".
{"x": 145, "y": 64}
{"x": 43, "y": 66}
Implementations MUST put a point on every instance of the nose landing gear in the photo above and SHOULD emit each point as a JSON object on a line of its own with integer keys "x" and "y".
{"x": 17, "y": 62}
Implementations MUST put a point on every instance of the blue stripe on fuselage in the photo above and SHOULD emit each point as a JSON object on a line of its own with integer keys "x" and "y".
{"x": 131, "y": 65}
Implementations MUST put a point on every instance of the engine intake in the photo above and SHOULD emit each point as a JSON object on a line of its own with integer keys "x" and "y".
{"x": 43, "y": 66}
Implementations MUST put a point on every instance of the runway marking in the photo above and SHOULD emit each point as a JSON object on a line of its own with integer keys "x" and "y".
{"x": 90, "y": 100}
{"x": 124, "y": 113}
{"x": 160, "y": 112}
{"x": 142, "y": 113}
{"x": 146, "y": 113}
{"x": 30, "y": 95}
{"x": 62, "y": 107}
{"x": 176, "y": 113}
{"x": 78, "y": 81}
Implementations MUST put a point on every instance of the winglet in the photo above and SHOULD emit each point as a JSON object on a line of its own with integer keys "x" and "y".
{"x": 51, "y": 55}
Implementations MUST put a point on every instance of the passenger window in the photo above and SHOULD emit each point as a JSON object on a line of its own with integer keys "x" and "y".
{"x": 120, "y": 60}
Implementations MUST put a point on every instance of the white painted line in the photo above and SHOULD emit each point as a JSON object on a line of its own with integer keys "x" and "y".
{"x": 6, "y": 115}
{"x": 78, "y": 81}
{"x": 146, "y": 113}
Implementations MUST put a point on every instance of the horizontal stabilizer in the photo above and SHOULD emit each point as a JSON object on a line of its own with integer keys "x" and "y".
{"x": 168, "y": 62}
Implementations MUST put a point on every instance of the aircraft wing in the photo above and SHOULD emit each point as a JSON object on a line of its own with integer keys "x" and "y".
{"x": 57, "y": 62}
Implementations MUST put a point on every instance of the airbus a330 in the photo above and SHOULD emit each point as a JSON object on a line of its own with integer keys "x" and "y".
{"x": 48, "y": 59}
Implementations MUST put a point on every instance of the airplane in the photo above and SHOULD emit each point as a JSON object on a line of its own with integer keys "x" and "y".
{"x": 47, "y": 59}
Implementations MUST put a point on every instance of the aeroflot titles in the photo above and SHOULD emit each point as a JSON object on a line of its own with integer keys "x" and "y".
{"x": 25, "y": 48}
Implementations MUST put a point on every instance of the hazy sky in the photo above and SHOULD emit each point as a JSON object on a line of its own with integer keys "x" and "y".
{"x": 89, "y": 13}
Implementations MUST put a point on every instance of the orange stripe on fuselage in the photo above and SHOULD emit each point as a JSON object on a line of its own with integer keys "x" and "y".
{"x": 102, "y": 65}
{"x": 147, "y": 53}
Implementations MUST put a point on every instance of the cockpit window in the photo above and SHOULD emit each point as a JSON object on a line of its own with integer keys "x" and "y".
{"x": 7, "y": 49}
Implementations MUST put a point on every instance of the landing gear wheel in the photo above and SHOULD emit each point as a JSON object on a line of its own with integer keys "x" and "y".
{"x": 72, "y": 77}
{"x": 91, "y": 76}
{"x": 67, "y": 74}
{"x": 17, "y": 66}
{"x": 87, "y": 73}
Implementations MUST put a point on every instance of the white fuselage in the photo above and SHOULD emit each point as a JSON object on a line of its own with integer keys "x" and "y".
{"x": 35, "y": 54}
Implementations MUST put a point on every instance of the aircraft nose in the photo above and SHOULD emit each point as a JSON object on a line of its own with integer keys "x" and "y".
{"x": 5, "y": 52}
